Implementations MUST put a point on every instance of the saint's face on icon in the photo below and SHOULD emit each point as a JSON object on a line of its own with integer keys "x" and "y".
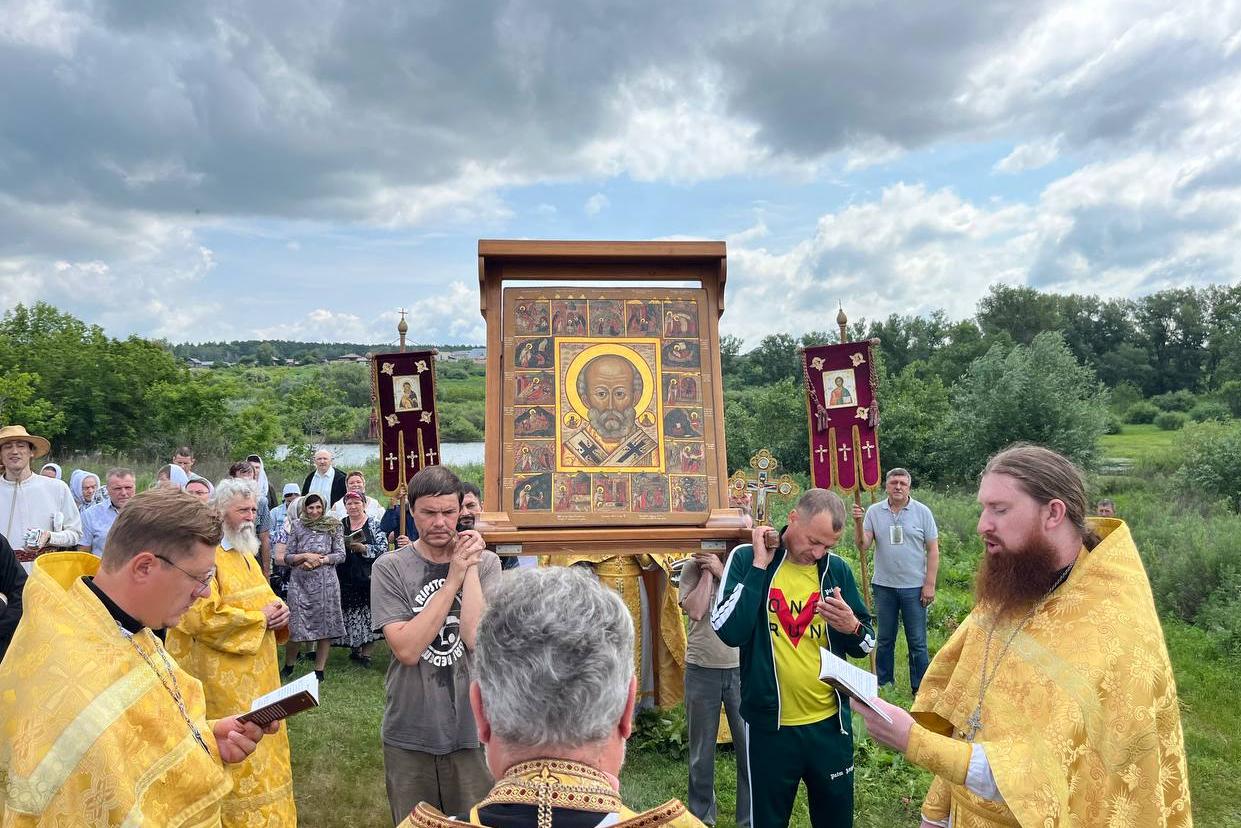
{"x": 610, "y": 387}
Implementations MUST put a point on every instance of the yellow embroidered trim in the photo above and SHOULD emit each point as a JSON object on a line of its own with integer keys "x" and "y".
{"x": 32, "y": 795}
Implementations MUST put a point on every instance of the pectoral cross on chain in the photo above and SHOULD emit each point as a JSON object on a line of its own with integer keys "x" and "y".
{"x": 975, "y": 724}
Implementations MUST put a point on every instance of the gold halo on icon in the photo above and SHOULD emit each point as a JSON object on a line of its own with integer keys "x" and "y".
{"x": 614, "y": 349}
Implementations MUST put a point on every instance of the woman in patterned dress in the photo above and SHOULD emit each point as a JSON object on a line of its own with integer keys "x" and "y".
{"x": 314, "y": 548}
{"x": 364, "y": 542}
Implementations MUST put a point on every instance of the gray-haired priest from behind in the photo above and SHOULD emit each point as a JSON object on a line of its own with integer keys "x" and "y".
{"x": 553, "y": 701}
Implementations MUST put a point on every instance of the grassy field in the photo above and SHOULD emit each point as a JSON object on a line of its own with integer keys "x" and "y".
{"x": 1136, "y": 443}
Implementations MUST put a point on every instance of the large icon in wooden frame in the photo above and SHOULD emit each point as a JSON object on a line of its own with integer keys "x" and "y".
{"x": 608, "y": 407}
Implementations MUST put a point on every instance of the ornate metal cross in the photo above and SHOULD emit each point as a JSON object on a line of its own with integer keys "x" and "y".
{"x": 763, "y": 482}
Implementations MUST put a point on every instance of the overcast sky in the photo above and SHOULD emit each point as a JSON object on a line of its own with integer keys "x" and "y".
{"x": 298, "y": 170}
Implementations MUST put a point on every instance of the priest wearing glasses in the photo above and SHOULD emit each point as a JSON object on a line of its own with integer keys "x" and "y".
{"x": 100, "y": 726}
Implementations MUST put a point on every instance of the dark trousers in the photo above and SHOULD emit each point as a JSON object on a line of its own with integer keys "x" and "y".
{"x": 906, "y": 602}
{"x": 818, "y": 754}
{"x": 706, "y": 688}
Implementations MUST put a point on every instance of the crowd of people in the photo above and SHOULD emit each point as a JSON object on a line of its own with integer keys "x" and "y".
{"x": 510, "y": 696}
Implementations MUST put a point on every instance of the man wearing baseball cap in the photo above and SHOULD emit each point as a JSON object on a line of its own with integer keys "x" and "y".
{"x": 37, "y": 513}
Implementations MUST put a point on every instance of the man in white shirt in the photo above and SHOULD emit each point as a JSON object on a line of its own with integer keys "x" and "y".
{"x": 37, "y": 513}
{"x": 355, "y": 481}
{"x": 326, "y": 481}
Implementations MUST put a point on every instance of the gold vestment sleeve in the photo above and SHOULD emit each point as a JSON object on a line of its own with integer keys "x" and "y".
{"x": 947, "y": 758}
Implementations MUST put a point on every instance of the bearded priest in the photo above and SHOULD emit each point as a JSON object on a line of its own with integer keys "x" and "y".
{"x": 228, "y": 641}
{"x": 98, "y": 725}
{"x": 1054, "y": 702}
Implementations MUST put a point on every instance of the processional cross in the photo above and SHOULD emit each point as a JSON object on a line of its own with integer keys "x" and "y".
{"x": 763, "y": 482}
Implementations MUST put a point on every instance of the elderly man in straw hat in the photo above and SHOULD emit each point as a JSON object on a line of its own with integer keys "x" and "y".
{"x": 36, "y": 513}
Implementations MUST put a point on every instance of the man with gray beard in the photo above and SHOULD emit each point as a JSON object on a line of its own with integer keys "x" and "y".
{"x": 227, "y": 640}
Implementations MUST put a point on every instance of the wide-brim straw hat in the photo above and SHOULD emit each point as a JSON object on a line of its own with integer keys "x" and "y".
{"x": 15, "y": 432}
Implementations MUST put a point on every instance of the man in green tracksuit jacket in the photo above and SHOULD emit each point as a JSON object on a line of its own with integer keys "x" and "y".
{"x": 782, "y": 598}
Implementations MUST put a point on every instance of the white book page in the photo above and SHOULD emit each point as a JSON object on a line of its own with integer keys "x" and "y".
{"x": 307, "y": 683}
{"x": 863, "y": 685}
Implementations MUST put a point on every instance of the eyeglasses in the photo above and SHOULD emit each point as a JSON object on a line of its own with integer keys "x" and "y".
{"x": 204, "y": 582}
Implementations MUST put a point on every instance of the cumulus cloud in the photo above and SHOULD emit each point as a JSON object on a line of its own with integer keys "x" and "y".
{"x": 130, "y": 132}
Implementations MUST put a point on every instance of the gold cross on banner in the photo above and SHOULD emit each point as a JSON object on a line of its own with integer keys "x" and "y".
{"x": 763, "y": 482}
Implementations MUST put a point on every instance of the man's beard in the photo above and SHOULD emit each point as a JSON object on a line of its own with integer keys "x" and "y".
{"x": 244, "y": 538}
{"x": 613, "y": 425}
{"x": 1012, "y": 581}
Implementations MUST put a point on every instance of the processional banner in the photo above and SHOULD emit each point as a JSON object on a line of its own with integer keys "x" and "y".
{"x": 403, "y": 385}
{"x": 843, "y": 410}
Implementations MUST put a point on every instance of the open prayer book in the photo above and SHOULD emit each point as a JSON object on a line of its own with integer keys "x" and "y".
{"x": 294, "y": 697}
{"x": 845, "y": 677}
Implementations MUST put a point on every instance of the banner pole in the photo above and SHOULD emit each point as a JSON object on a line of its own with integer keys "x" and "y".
{"x": 843, "y": 322}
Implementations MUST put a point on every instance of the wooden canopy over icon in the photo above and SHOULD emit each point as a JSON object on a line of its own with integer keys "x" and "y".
{"x": 605, "y": 410}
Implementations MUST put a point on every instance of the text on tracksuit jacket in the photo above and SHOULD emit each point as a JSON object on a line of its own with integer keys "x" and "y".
{"x": 740, "y": 620}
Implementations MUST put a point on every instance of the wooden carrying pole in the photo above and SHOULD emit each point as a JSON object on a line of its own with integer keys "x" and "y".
{"x": 843, "y": 322}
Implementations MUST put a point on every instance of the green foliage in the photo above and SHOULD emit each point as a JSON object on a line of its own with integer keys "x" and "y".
{"x": 1142, "y": 413}
{"x": 1209, "y": 410}
{"x": 1037, "y": 393}
{"x": 1230, "y": 394}
{"x": 771, "y": 417}
{"x": 20, "y": 403}
{"x": 662, "y": 731}
{"x": 1211, "y": 456}
{"x": 1113, "y": 425}
{"x": 1170, "y": 421}
{"x": 1175, "y": 400}
{"x": 912, "y": 417}
{"x": 1124, "y": 395}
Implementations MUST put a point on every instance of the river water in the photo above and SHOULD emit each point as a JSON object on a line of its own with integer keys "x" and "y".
{"x": 357, "y": 454}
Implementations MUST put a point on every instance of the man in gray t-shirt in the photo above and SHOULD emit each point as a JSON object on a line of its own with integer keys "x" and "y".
{"x": 426, "y": 598}
{"x": 906, "y": 543}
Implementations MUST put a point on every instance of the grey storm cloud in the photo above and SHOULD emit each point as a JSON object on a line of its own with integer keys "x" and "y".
{"x": 308, "y": 109}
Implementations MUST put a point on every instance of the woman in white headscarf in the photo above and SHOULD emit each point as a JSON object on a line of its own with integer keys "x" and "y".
{"x": 85, "y": 488}
{"x": 56, "y": 473}
{"x": 172, "y": 475}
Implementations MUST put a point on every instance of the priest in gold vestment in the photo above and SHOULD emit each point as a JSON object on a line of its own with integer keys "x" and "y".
{"x": 98, "y": 726}
{"x": 228, "y": 641}
{"x": 1054, "y": 703}
{"x": 644, "y": 584}
{"x": 553, "y": 701}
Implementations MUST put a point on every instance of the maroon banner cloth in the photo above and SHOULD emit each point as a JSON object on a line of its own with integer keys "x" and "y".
{"x": 404, "y": 389}
{"x": 840, "y": 385}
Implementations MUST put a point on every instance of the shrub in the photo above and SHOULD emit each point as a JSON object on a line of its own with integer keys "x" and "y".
{"x": 1039, "y": 393}
{"x": 1112, "y": 425}
{"x": 1170, "y": 421}
{"x": 1175, "y": 400}
{"x": 1211, "y": 457}
{"x": 1142, "y": 413}
{"x": 1230, "y": 394}
{"x": 1209, "y": 410}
